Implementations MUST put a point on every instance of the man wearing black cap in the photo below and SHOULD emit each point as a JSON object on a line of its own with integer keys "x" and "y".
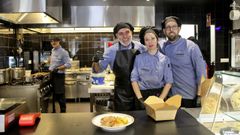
{"x": 120, "y": 56}
{"x": 187, "y": 62}
{"x": 58, "y": 63}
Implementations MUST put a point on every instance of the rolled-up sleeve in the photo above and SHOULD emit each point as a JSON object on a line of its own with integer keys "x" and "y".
{"x": 107, "y": 59}
{"x": 168, "y": 77}
{"x": 66, "y": 60}
{"x": 134, "y": 74}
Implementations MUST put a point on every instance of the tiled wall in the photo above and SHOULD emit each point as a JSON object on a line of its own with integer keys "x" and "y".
{"x": 81, "y": 46}
{"x": 7, "y": 47}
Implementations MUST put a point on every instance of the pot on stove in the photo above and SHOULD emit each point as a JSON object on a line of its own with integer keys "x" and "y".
{"x": 18, "y": 73}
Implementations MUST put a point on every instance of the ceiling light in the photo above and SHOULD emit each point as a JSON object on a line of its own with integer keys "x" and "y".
{"x": 78, "y": 30}
{"x": 6, "y": 31}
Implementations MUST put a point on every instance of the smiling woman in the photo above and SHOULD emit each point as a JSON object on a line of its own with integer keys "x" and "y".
{"x": 149, "y": 68}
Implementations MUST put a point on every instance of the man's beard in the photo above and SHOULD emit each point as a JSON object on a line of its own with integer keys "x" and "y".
{"x": 173, "y": 38}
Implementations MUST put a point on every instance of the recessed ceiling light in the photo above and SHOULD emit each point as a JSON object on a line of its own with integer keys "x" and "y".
{"x": 147, "y": 0}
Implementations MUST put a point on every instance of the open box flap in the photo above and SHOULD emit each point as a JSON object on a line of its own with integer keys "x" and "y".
{"x": 153, "y": 100}
{"x": 175, "y": 101}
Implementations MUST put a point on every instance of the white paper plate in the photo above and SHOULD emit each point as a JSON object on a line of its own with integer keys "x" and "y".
{"x": 97, "y": 121}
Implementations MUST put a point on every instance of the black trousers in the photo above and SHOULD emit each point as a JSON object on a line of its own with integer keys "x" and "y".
{"x": 58, "y": 81}
{"x": 56, "y": 97}
{"x": 189, "y": 103}
{"x": 61, "y": 100}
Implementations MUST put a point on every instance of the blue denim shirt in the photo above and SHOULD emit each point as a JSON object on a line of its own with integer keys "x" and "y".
{"x": 151, "y": 71}
{"x": 59, "y": 57}
{"x": 188, "y": 66}
{"x": 110, "y": 53}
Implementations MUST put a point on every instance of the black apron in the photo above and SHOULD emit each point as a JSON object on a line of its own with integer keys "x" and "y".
{"x": 145, "y": 95}
{"x": 58, "y": 81}
{"x": 124, "y": 97}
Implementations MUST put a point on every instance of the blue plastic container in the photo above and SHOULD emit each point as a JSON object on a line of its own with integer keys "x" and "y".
{"x": 98, "y": 80}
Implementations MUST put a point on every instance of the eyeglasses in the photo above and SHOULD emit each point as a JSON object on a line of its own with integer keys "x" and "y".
{"x": 171, "y": 27}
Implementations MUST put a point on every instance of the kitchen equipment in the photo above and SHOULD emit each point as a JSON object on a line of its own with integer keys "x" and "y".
{"x": 83, "y": 89}
{"x": 75, "y": 64}
{"x": 98, "y": 78}
{"x": 28, "y": 79}
{"x": 18, "y": 73}
{"x": 31, "y": 11}
{"x": 69, "y": 75}
{"x": 103, "y": 102}
{"x": 28, "y": 76}
{"x": 86, "y": 70}
{"x": 8, "y": 76}
{"x": 83, "y": 83}
{"x": 83, "y": 76}
{"x": 70, "y": 85}
{"x": 2, "y": 73}
{"x": 71, "y": 89}
{"x": 10, "y": 108}
{"x": 28, "y": 73}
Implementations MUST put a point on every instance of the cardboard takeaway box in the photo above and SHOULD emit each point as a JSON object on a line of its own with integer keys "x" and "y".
{"x": 160, "y": 110}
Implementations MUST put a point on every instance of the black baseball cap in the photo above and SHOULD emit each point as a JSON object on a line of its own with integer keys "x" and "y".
{"x": 178, "y": 21}
{"x": 122, "y": 25}
{"x": 146, "y": 29}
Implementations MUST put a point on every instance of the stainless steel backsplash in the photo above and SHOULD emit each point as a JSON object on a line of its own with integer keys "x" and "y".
{"x": 108, "y": 16}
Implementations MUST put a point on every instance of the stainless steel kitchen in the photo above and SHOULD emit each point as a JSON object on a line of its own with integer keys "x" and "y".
{"x": 87, "y": 47}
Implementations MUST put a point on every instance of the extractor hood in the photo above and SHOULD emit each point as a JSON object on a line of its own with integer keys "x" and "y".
{"x": 31, "y": 11}
{"x": 109, "y": 16}
{"x": 107, "y": 13}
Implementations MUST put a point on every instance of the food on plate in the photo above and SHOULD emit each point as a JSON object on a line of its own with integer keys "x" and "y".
{"x": 113, "y": 121}
{"x": 210, "y": 103}
{"x": 235, "y": 100}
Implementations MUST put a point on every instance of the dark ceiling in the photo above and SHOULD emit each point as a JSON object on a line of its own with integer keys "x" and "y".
{"x": 131, "y": 2}
{"x": 110, "y": 2}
